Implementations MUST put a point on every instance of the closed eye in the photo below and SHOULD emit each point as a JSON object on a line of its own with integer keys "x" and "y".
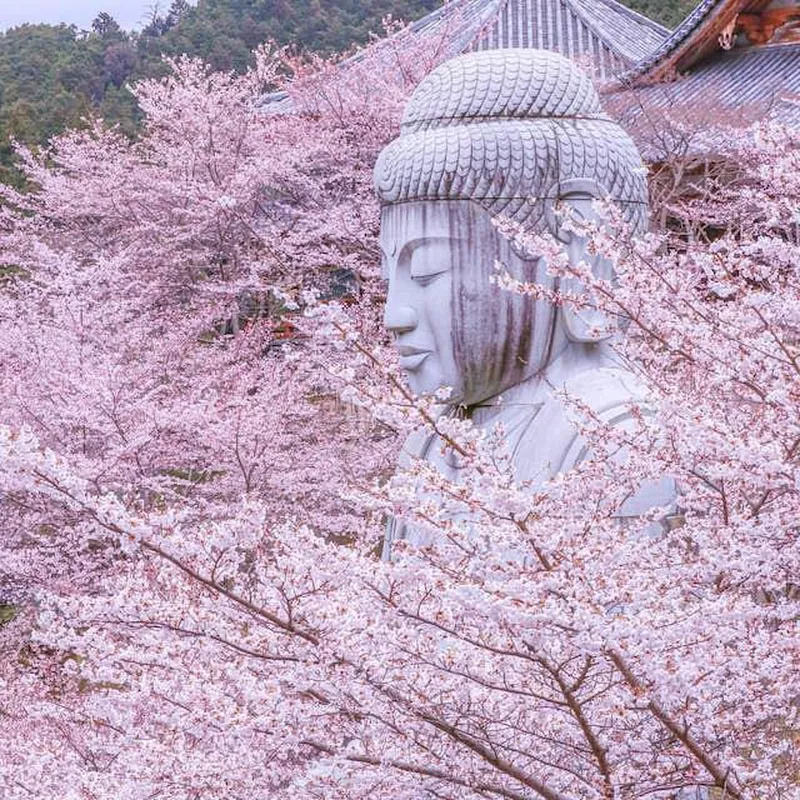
{"x": 429, "y": 258}
{"x": 426, "y": 280}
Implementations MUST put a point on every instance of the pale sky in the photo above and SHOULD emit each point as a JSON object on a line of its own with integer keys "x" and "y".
{"x": 129, "y": 13}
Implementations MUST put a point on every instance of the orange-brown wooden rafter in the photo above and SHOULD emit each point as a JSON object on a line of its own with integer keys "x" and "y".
{"x": 760, "y": 27}
{"x": 705, "y": 39}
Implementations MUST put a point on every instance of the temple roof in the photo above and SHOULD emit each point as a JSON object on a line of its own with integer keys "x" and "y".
{"x": 714, "y": 26}
{"x": 731, "y": 61}
{"x": 609, "y": 34}
{"x": 733, "y": 89}
{"x": 604, "y": 32}
{"x": 706, "y": 14}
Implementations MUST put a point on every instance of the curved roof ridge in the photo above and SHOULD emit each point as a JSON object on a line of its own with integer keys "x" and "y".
{"x": 689, "y": 25}
{"x": 452, "y": 7}
{"x": 582, "y": 9}
{"x": 625, "y": 11}
{"x": 638, "y": 17}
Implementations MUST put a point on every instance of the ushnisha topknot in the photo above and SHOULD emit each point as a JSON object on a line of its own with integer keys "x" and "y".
{"x": 509, "y": 130}
{"x": 501, "y": 85}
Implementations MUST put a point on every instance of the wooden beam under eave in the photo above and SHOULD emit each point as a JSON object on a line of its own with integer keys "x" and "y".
{"x": 704, "y": 40}
{"x": 761, "y": 27}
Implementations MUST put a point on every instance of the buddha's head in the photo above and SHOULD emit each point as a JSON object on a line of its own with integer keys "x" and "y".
{"x": 510, "y": 134}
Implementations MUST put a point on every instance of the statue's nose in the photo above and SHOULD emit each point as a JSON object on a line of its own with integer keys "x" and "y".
{"x": 400, "y": 318}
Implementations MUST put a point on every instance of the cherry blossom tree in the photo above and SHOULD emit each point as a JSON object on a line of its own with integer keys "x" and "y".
{"x": 151, "y": 280}
{"x": 190, "y": 530}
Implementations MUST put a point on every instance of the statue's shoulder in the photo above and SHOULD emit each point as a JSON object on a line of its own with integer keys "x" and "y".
{"x": 552, "y": 442}
{"x": 605, "y": 391}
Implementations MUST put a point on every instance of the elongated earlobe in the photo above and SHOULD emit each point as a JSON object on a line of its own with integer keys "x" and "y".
{"x": 586, "y": 323}
{"x": 583, "y": 323}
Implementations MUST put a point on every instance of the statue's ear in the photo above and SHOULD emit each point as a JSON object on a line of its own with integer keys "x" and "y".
{"x": 576, "y": 198}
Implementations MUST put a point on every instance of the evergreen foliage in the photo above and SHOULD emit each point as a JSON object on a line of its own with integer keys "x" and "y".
{"x": 52, "y": 77}
{"x": 667, "y": 12}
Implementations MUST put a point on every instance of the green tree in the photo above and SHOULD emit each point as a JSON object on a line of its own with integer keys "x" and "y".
{"x": 106, "y": 27}
{"x": 668, "y": 12}
{"x": 52, "y": 77}
{"x": 55, "y": 76}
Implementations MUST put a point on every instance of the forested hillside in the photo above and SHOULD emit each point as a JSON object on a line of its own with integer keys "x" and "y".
{"x": 53, "y": 76}
{"x": 667, "y": 12}
{"x": 589, "y": 590}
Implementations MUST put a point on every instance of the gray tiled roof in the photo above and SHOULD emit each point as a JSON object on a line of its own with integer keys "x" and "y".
{"x": 605, "y": 32}
{"x": 612, "y": 36}
{"x": 735, "y": 86}
{"x": 629, "y": 33}
{"x": 463, "y": 20}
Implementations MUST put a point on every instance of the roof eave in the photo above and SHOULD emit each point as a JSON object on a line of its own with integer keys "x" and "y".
{"x": 640, "y": 18}
{"x": 694, "y": 39}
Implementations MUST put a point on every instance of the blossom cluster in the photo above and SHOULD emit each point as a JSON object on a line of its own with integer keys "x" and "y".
{"x": 193, "y": 498}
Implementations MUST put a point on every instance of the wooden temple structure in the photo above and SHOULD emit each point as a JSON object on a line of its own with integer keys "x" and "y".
{"x": 730, "y": 61}
{"x": 603, "y": 34}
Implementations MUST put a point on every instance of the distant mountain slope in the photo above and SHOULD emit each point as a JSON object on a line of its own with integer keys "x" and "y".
{"x": 224, "y": 31}
{"x": 667, "y": 12}
{"x": 52, "y": 76}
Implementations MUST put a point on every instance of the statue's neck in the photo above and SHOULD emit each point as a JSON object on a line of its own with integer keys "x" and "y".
{"x": 524, "y": 397}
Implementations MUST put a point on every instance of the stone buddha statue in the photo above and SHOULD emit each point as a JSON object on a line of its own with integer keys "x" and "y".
{"x": 518, "y": 135}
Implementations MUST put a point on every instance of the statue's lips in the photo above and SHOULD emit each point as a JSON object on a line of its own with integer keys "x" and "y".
{"x": 411, "y": 358}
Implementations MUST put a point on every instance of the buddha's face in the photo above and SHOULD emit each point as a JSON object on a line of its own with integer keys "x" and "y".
{"x": 418, "y": 251}
{"x": 453, "y": 327}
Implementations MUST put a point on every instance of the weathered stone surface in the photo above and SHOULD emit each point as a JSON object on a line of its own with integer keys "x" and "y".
{"x": 508, "y": 129}
{"x": 505, "y": 134}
